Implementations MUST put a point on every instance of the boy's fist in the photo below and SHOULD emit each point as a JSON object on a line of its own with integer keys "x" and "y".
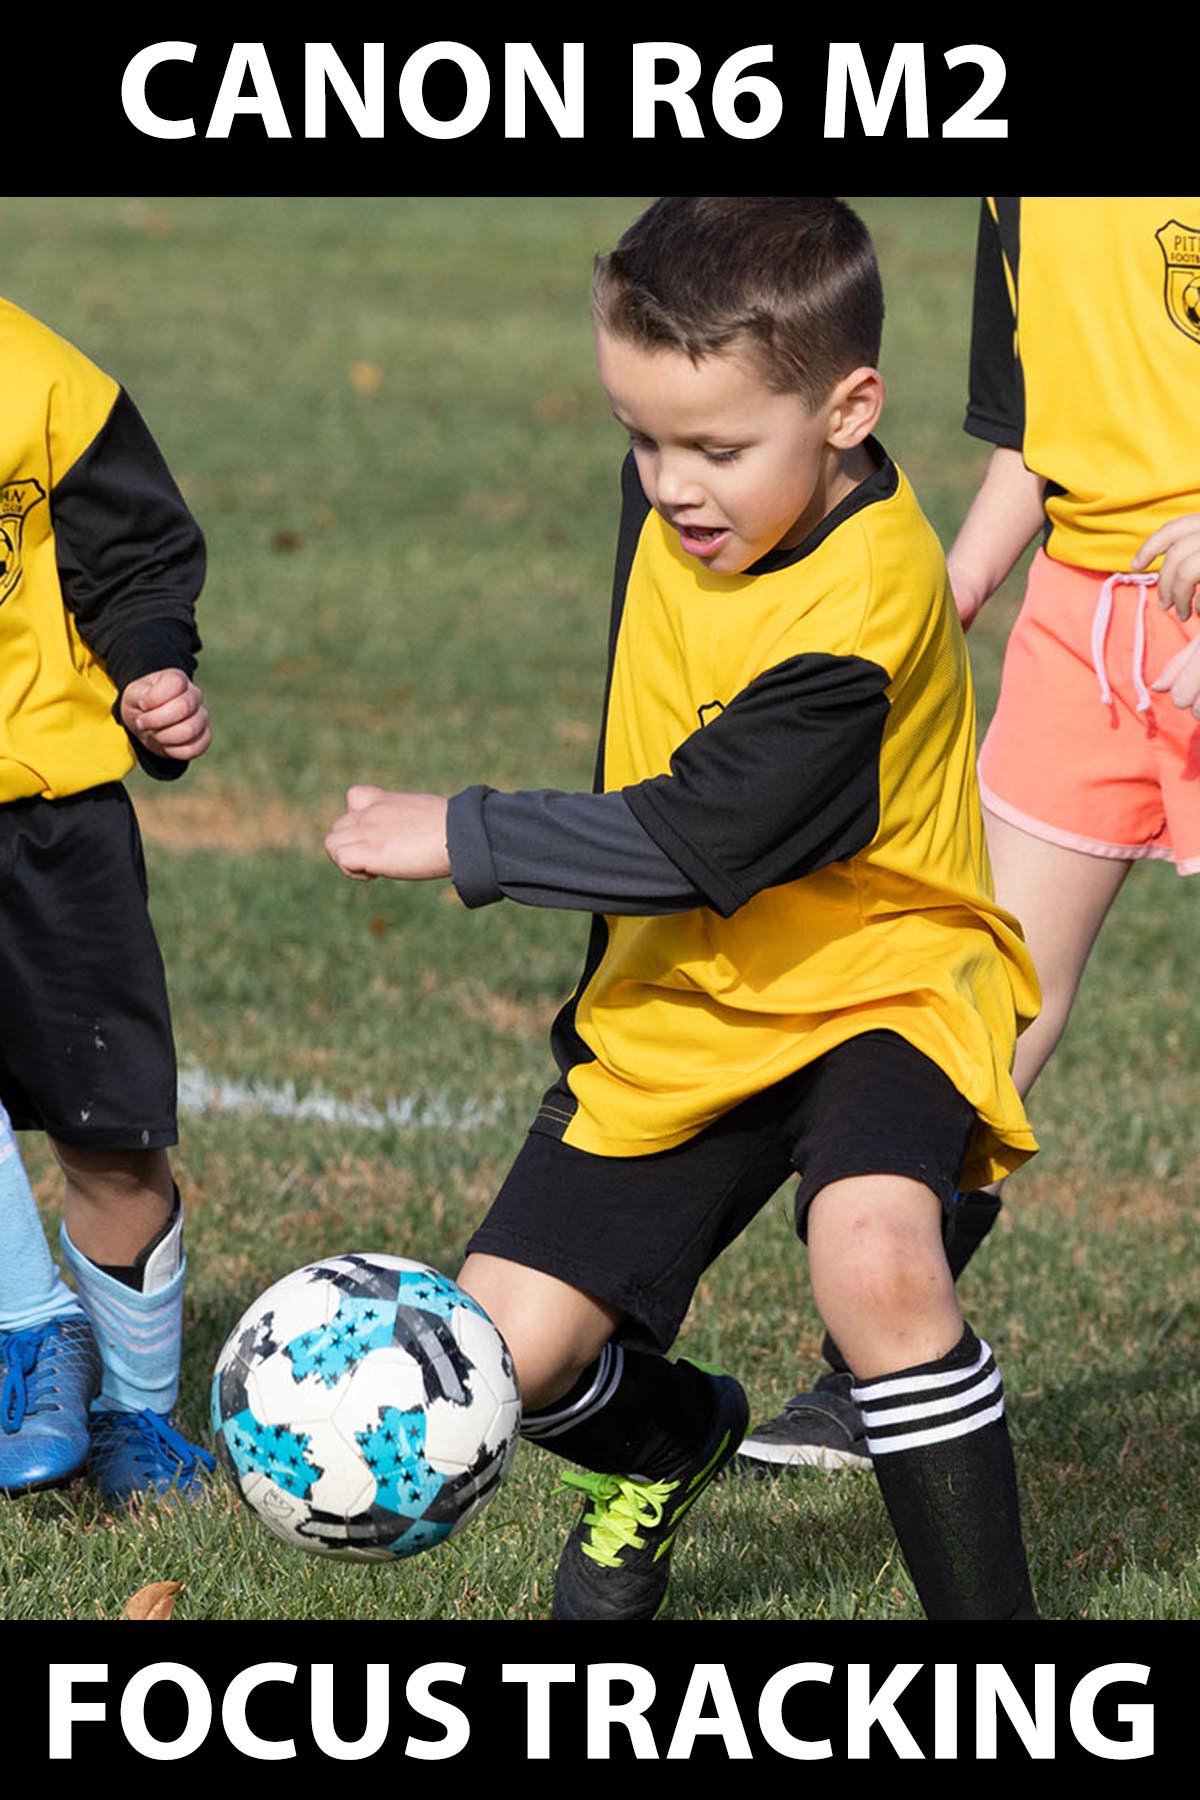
{"x": 382, "y": 833}
{"x": 165, "y": 711}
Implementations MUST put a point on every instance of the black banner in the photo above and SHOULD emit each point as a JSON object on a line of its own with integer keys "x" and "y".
{"x": 495, "y": 1697}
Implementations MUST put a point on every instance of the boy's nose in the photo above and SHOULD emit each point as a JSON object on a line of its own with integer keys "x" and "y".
{"x": 677, "y": 489}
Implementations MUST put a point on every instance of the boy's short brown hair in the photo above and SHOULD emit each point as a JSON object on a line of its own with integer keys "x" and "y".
{"x": 793, "y": 275}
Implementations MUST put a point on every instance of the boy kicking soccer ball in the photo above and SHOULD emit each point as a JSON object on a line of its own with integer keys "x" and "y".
{"x": 795, "y": 962}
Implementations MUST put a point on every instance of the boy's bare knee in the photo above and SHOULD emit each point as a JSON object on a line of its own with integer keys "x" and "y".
{"x": 553, "y": 1330}
{"x": 879, "y": 1273}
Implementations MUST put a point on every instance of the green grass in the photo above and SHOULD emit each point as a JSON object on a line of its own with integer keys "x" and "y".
{"x": 385, "y": 415}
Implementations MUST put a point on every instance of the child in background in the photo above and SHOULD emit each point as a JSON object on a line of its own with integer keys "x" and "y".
{"x": 100, "y": 567}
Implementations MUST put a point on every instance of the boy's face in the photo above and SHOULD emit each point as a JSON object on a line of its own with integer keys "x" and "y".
{"x": 734, "y": 467}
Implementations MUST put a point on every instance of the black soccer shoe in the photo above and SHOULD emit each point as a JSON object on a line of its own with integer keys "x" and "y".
{"x": 822, "y": 1429}
{"x": 616, "y": 1563}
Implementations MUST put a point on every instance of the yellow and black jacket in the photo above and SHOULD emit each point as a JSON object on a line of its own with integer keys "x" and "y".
{"x": 787, "y": 772}
{"x": 100, "y": 567}
{"x": 1085, "y": 356}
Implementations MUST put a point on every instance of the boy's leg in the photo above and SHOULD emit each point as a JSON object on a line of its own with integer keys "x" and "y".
{"x": 650, "y": 1434}
{"x": 930, "y": 1393}
{"x": 1062, "y": 898}
{"x": 49, "y": 1363}
{"x": 122, "y": 1239}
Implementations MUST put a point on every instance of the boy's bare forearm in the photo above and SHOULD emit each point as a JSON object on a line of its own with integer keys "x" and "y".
{"x": 1005, "y": 517}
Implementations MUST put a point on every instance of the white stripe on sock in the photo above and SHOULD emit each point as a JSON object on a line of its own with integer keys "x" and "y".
{"x": 928, "y": 1409}
{"x": 867, "y": 1391}
{"x": 914, "y": 1440}
{"x": 609, "y": 1369}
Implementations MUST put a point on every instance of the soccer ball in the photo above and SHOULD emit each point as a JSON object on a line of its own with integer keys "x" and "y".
{"x": 365, "y": 1407}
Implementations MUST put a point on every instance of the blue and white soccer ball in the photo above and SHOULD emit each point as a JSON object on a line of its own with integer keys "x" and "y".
{"x": 365, "y": 1407}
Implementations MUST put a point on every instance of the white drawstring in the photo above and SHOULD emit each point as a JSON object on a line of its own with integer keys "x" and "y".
{"x": 1100, "y": 624}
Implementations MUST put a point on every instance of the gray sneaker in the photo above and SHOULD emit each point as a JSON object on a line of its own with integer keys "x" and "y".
{"x": 822, "y": 1430}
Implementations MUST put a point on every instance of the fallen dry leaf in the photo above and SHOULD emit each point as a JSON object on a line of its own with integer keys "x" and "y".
{"x": 367, "y": 377}
{"x": 156, "y": 1601}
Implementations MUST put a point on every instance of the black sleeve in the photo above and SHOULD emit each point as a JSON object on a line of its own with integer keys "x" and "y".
{"x": 130, "y": 559}
{"x": 782, "y": 782}
{"x": 996, "y": 402}
{"x": 586, "y": 852}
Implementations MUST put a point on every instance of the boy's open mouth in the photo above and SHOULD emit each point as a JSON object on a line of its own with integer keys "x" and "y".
{"x": 702, "y": 540}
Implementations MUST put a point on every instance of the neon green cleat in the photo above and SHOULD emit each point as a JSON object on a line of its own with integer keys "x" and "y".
{"x": 617, "y": 1561}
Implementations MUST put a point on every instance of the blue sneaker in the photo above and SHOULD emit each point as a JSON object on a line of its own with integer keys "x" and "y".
{"x": 142, "y": 1452}
{"x": 48, "y": 1377}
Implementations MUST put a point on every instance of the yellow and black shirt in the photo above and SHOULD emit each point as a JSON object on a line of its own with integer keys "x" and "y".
{"x": 100, "y": 566}
{"x": 787, "y": 773}
{"x": 1085, "y": 356}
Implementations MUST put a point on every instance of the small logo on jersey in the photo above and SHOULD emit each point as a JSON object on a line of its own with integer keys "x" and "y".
{"x": 17, "y": 501}
{"x": 709, "y": 711}
{"x": 1180, "y": 246}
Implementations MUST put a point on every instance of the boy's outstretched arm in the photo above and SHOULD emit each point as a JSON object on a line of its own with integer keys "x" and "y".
{"x": 781, "y": 782}
{"x": 584, "y": 852}
{"x": 1005, "y": 517}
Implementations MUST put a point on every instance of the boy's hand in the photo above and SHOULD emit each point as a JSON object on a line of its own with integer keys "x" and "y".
{"x": 381, "y": 833}
{"x": 1181, "y": 678}
{"x": 1178, "y": 543}
{"x": 165, "y": 711}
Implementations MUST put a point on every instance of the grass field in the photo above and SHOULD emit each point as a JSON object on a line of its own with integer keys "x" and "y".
{"x": 385, "y": 416}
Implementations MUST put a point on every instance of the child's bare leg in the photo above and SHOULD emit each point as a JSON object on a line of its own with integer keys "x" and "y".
{"x": 930, "y": 1394}
{"x": 879, "y": 1273}
{"x": 1062, "y": 898}
{"x": 117, "y": 1201}
{"x": 553, "y": 1331}
{"x": 123, "y": 1243}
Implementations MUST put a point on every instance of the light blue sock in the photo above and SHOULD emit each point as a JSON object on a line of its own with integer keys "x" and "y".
{"x": 31, "y": 1288}
{"x": 140, "y": 1334}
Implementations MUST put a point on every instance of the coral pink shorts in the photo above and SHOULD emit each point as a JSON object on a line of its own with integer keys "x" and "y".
{"x": 1080, "y": 752}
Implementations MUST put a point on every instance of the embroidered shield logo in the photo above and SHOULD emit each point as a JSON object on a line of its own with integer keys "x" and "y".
{"x": 1180, "y": 246}
{"x": 17, "y": 501}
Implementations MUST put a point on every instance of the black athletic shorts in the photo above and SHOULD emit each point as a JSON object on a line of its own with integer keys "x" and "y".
{"x": 639, "y": 1231}
{"x": 86, "y": 1051}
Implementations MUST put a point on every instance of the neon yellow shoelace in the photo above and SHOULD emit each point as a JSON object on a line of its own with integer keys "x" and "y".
{"x": 621, "y": 1511}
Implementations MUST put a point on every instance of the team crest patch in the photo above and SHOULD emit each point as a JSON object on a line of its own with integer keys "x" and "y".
{"x": 17, "y": 501}
{"x": 1180, "y": 246}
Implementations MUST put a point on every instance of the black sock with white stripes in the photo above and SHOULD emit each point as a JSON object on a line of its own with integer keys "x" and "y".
{"x": 940, "y": 1446}
{"x": 628, "y": 1414}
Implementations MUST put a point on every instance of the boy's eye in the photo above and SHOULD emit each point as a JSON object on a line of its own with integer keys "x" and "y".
{"x": 722, "y": 456}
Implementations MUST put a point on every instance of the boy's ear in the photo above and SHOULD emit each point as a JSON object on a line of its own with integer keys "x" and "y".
{"x": 855, "y": 406}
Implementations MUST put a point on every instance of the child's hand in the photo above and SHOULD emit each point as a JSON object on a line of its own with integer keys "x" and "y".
{"x": 166, "y": 712}
{"x": 1181, "y": 678}
{"x": 401, "y": 835}
{"x": 1178, "y": 543}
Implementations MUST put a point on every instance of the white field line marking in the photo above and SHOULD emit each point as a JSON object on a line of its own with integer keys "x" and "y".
{"x": 202, "y": 1092}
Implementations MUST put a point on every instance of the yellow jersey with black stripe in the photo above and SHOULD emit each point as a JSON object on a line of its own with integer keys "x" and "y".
{"x": 799, "y": 741}
{"x": 1085, "y": 356}
{"x": 100, "y": 566}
